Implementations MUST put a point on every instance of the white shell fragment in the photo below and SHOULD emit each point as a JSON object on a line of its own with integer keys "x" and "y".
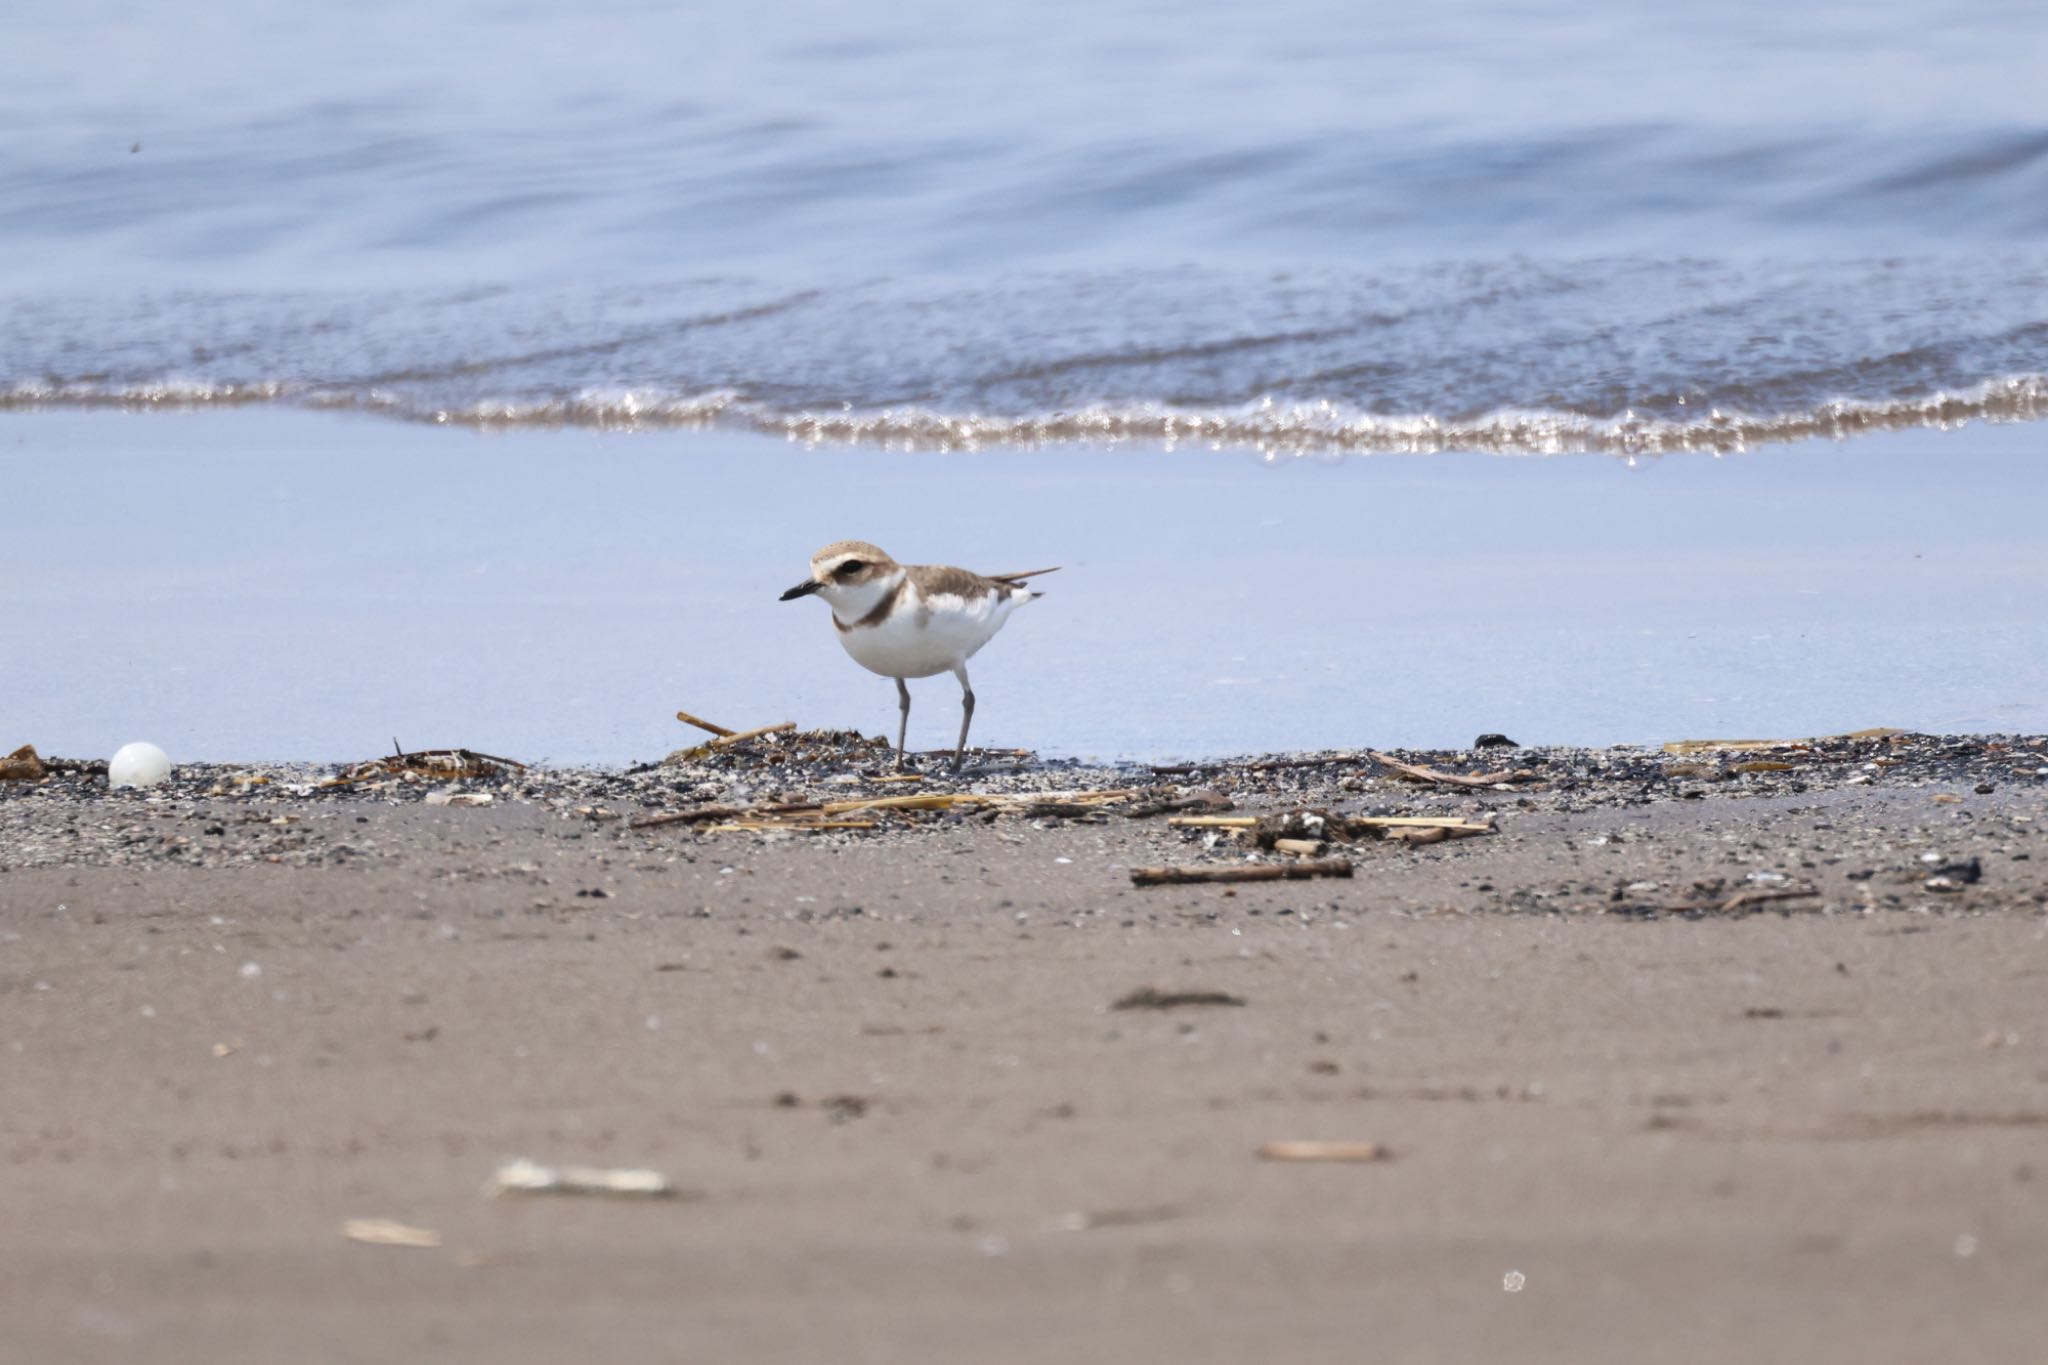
{"x": 138, "y": 765}
{"x": 530, "y": 1177}
{"x": 387, "y": 1232}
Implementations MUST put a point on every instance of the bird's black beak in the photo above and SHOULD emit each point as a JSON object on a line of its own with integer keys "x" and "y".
{"x": 803, "y": 589}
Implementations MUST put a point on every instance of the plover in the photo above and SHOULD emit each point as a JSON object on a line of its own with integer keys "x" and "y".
{"x": 912, "y": 620}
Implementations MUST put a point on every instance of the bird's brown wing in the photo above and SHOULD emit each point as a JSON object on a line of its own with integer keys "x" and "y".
{"x": 1020, "y": 577}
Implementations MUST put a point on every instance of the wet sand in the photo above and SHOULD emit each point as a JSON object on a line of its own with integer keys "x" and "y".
{"x": 886, "y": 1071}
{"x": 259, "y": 584}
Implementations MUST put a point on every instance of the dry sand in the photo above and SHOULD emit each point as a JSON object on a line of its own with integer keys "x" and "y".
{"x": 908, "y": 1125}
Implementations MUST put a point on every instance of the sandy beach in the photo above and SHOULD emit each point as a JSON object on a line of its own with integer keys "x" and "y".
{"x": 1385, "y": 381}
{"x": 1635, "y": 1099}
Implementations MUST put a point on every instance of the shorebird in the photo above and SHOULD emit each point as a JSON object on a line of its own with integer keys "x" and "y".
{"x": 912, "y": 620}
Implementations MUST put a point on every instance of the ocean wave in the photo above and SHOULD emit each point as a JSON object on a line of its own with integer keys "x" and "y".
{"x": 1267, "y": 426}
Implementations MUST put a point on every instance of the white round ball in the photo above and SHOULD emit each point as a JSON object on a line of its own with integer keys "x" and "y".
{"x": 138, "y": 765}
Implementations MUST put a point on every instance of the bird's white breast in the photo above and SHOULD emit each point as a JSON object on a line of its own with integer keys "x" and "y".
{"x": 927, "y": 635}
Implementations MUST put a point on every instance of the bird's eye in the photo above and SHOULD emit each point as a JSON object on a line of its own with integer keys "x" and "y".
{"x": 850, "y": 567}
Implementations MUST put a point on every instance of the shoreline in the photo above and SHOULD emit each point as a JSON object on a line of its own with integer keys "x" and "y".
{"x": 838, "y": 790}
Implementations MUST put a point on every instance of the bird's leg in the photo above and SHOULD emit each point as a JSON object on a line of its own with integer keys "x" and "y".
{"x": 966, "y": 716}
{"x": 903, "y": 729}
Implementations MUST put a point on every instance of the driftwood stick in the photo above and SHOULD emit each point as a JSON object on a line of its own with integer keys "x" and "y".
{"x": 727, "y": 741}
{"x": 686, "y": 718}
{"x": 1255, "y": 872}
{"x": 1421, "y": 774}
{"x": 921, "y": 801}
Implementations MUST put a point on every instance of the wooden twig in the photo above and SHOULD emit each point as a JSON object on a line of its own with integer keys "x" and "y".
{"x": 1419, "y": 773}
{"x": 1212, "y": 822}
{"x": 1253, "y": 872}
{"x": 1713, "y": 746}
{"x": 686, "y": 718}
{"x": 1081, "y": 798}
{"x": 921, "y": 801}
{"x": 727, "y": 741}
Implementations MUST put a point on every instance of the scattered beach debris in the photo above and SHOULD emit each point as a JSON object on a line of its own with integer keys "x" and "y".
{"x": 387, "y": 1232}
{"x": 1152, "y": 998}
{"x": 704, "y": 814}
{"x": 1205, "y": 801}
{"x": 1312, "y": 1150}
{"x": 1712, "y": 746}
{"x": 1241, "y": 872}
{"x": 1271, "y": 831}
{"x": 818, "y": 816}
{"x": 1418, "y": 773}
{"x": 781, "y": 745}
{"x": 1735, "y": 902}
{"x": 23, "y": 765}
{"x": 432, "y": 764}
{"x": 530, "y": 1177}
{"x": 455, "y": 796}
{"x": 1257, "y": 765}
{"x": 140, "y": 764}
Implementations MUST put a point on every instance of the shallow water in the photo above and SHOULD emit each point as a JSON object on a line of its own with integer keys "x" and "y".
{"x": 1303, "y": 226}
{"x": 261, "y": 585}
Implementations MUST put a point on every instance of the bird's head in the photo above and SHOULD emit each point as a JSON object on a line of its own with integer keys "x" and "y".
{"x": 852, "y": 575}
